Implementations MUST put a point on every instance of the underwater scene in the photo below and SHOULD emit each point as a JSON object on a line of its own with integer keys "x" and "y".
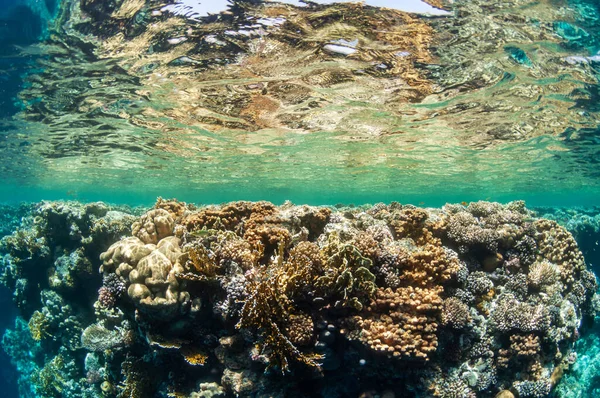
{"x": 252, "y": 198}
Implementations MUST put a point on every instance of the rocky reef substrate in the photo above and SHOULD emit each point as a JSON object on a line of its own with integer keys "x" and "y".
{"x": 252, "y": 299}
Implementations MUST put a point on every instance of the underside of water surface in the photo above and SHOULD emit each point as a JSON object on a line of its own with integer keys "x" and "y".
{"x": 314, "y": 103}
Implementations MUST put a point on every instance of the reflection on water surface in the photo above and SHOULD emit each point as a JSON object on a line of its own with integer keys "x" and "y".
{"x": 311, "y": 102}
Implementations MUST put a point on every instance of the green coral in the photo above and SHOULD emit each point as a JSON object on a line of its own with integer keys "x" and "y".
{"x": 347, "y": 278}
{"x": 50, "y": 380}
{"x": 38, "y": 325}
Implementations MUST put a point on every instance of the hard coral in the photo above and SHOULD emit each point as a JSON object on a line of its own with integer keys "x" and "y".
{"x": 38, "y": 326}
{"x": 113, "y": 287}
{"x": 455, "y": 313}
{"x": 151, "y": 271}
{"x": 557, "y": 245}
{"x": 410, "y": 285}
{"x": 401, "y": 322}
{"x": 512, "y": 315}
{"x": 542, "y": 273}
{"x": 153, "y": 226}
{"x": 265, "y": 309}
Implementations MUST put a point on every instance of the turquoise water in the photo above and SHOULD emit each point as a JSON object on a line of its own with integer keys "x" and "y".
{"x": 195, "y": 109}
{"x": 333, "y": 104}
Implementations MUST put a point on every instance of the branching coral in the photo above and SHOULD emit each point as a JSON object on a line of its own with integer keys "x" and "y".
{"x": 401, "y": 322}
{"x": 455, "y": 313}
{"x": 113, "y": 287}
{"x": 38, "y": 326}
{"x": 512, "y": 315}
{"x": 410, "y": 222}
{"x": 265, "y": 308}
{"x": 346, "y": 277}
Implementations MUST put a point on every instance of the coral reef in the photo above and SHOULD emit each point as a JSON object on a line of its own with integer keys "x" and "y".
{"x": 50, "y": 264}
{"x": 247, "y": 299}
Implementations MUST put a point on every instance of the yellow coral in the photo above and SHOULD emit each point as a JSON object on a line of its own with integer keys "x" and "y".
{"x": 193, "y": 355}
{"x": 38, "y": 326}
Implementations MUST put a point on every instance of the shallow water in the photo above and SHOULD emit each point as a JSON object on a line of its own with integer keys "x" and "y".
{"x": 320, "y": 103}
{"x": 317, "y": 105}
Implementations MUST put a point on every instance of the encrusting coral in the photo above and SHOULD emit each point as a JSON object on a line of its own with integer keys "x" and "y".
{"x": 473, "y": 300}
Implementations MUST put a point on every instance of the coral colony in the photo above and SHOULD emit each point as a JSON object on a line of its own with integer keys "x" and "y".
{"x": 251, "y": 299}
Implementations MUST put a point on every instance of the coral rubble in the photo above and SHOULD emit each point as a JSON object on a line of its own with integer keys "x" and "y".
{"x": 248, "y": 299}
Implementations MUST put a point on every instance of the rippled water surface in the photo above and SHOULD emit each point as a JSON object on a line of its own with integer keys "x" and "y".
{"x": 319, "y": 103}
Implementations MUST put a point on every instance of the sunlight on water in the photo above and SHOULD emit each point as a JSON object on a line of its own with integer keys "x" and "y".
{"x": 197, "y": 9}
{"x": 318, "y": 103}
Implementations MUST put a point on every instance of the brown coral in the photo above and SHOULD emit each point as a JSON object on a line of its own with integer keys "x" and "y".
{"x": 527, "y": 345}
{"x": 265, "y": 308}
{"x": 153, "y": 226}
{"x": 455, "y": 313}
{"x": 124, "y": 255}
{"x": 410, "y": 222}
{"x": 174, "y": 207}
{"x": 558, "y": 246}
{"x": 228, "y": 217}
{"x": 300, "y": 329}
{"x": 428, "y": 265}
{"x": 542, "y": 273}
{"x": 401, "y": 322}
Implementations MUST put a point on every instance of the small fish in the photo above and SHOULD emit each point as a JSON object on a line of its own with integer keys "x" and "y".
{"x": 464, "y": 203}
{"x": 421, "y": 203}
{"x": 200, "y": 233}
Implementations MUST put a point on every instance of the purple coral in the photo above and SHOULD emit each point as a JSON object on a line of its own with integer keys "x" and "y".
{"x": 113, "y": 287}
